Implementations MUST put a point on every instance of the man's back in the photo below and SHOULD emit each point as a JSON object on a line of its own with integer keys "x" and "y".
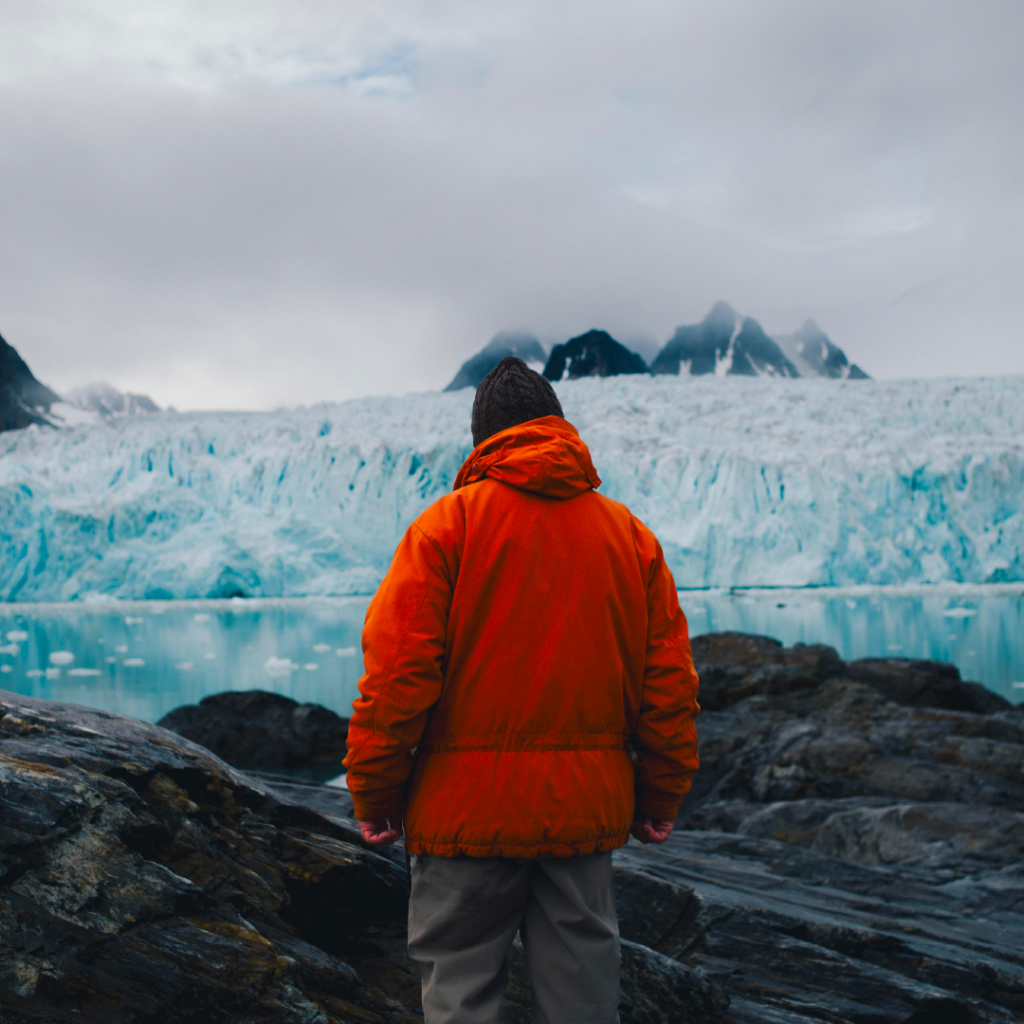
{"x": 542, "y": 613}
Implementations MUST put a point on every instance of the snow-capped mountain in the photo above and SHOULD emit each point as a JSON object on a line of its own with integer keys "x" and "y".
{"x": 23, "y": 400}
{"x": 504, "y": 343}
{"x": 726, "y": 345}
{"x": 747, "y": 482}
{"x": 594, "y": 354}
{"x": 106, "y": 400}
{"x": 814, "y": 355}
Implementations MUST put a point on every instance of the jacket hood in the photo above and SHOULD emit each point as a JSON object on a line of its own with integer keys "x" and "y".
{"x": 544, "y": 455}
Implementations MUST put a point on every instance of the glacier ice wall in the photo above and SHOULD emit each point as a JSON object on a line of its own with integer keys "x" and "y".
{"x": 746, "y": 482}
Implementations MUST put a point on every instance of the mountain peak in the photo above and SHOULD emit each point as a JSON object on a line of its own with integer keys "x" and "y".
{"x": 721, "y": 313}
{"x": 814, "y": 355}
{"x": 724, "y": 344}
{"x": 108, "y": 401}
{"x": 594, "y": 354}
{"x": 505, "y": 343}
{"x": 23, "y": 400}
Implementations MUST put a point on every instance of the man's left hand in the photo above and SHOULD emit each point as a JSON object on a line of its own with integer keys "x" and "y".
{"x": 381, "y": 832}
{"x": 651, "y": 830}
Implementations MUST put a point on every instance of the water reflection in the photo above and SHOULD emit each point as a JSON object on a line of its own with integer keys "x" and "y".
{"x": 145, "y": 658}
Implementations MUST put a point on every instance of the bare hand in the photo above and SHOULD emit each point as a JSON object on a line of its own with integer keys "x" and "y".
{"x": 651, "y": 830}
{"x": 381, "y": 832}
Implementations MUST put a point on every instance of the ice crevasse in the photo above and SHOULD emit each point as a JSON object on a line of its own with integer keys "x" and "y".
{"x": 757, "y": 482}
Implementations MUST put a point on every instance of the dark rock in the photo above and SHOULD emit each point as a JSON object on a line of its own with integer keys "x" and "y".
{"x": 813, "y": 354}
{"x": 142, "y": 879}
{"x": 925, "y": 684}
{"x": 594, "y": 354}
{"x": 794, "y": 936}
{"x": 256, "y": 729}
{"x": 723, "y": 342}
{"x": 23, "y": 400}
{"x": 504, "y": 343}
{"x": 936, "y": 834}
{"x": 734, "y": 666}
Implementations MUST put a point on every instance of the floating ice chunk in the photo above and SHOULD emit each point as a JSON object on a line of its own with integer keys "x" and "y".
{"x": 52, "y": 673}
{"x": 134, "y": 662}
{"x": 12, "y": 649}
{"x": 61, "y": 658}
{"x": 84, "y": 672}
{"x": 35, "y": 673}
{"x": 346, "y": 652}
{"x": 1016, "y": 686}
{"x": 121, "y": 648}
{"x": 17, "y": 636}
{"x": 200, "y": 617}
{"x": 321, "y": 648}
{"x": 279, "y": 666}
{"x": 112, "y": 660}
{"x": 959, "y": 613}
{"x": 209, "y": 656}
{"x": 311, "y": 667}
{"x": 185, "y": 666}
{"x": 131, "y": 620}
{"x": 6, "y": 668}
{"x": 895, "y": 647}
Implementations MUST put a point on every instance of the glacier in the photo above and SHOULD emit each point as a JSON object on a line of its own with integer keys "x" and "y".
{"x": 748, "y": 482}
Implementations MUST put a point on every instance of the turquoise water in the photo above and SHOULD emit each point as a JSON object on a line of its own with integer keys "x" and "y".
{"x": 145, "y": 658}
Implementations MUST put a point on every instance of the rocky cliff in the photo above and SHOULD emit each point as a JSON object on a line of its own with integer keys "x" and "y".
{"x": 23, "y": 400}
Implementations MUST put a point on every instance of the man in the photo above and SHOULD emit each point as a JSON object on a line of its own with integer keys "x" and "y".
{"x": 528, "y": 702}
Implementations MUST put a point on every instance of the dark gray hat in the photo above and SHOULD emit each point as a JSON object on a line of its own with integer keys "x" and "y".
{"x": 511, "y": 394}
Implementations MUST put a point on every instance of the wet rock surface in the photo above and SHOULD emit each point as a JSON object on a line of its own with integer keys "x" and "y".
{"x": 257, "y": 729}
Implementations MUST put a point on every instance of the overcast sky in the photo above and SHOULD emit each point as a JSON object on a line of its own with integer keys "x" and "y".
{"x": 250, "y": 204}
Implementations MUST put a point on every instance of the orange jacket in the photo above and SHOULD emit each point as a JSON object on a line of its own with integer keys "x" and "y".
{"x": 525, "y": 637}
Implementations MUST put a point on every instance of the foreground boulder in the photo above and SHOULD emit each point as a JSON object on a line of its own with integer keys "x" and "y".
{"x": 145, "y": 880}
{"x": 257, "y": 729}
{"x": 23, "y": 400}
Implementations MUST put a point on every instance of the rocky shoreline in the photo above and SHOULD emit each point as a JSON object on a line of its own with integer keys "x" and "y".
{"x": 850, "y": 853}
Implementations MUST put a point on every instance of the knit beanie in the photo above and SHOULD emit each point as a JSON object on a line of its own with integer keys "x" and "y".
{"x": 511, "y": 394}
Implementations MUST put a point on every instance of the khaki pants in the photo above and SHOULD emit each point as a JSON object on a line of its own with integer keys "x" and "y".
{"x": 465, "y": 911}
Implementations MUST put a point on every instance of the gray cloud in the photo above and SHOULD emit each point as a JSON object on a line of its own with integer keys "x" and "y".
{"x": 264, "y": 206}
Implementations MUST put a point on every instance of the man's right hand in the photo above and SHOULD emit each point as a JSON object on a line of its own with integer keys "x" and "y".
{"x": 651, "y": 830}
{"x": 380, "y": 832}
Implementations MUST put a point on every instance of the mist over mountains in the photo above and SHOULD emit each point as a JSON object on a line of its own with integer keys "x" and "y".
{"x": 723, "y": 343}
{"x": 24, "y": 401}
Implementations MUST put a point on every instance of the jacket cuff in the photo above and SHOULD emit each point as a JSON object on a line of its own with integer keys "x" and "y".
{"x": 659, "y": 808}
{"x": 378, "y": 804}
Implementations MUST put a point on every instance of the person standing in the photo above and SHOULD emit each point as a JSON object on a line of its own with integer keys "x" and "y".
{"x": 528, "y": 702}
